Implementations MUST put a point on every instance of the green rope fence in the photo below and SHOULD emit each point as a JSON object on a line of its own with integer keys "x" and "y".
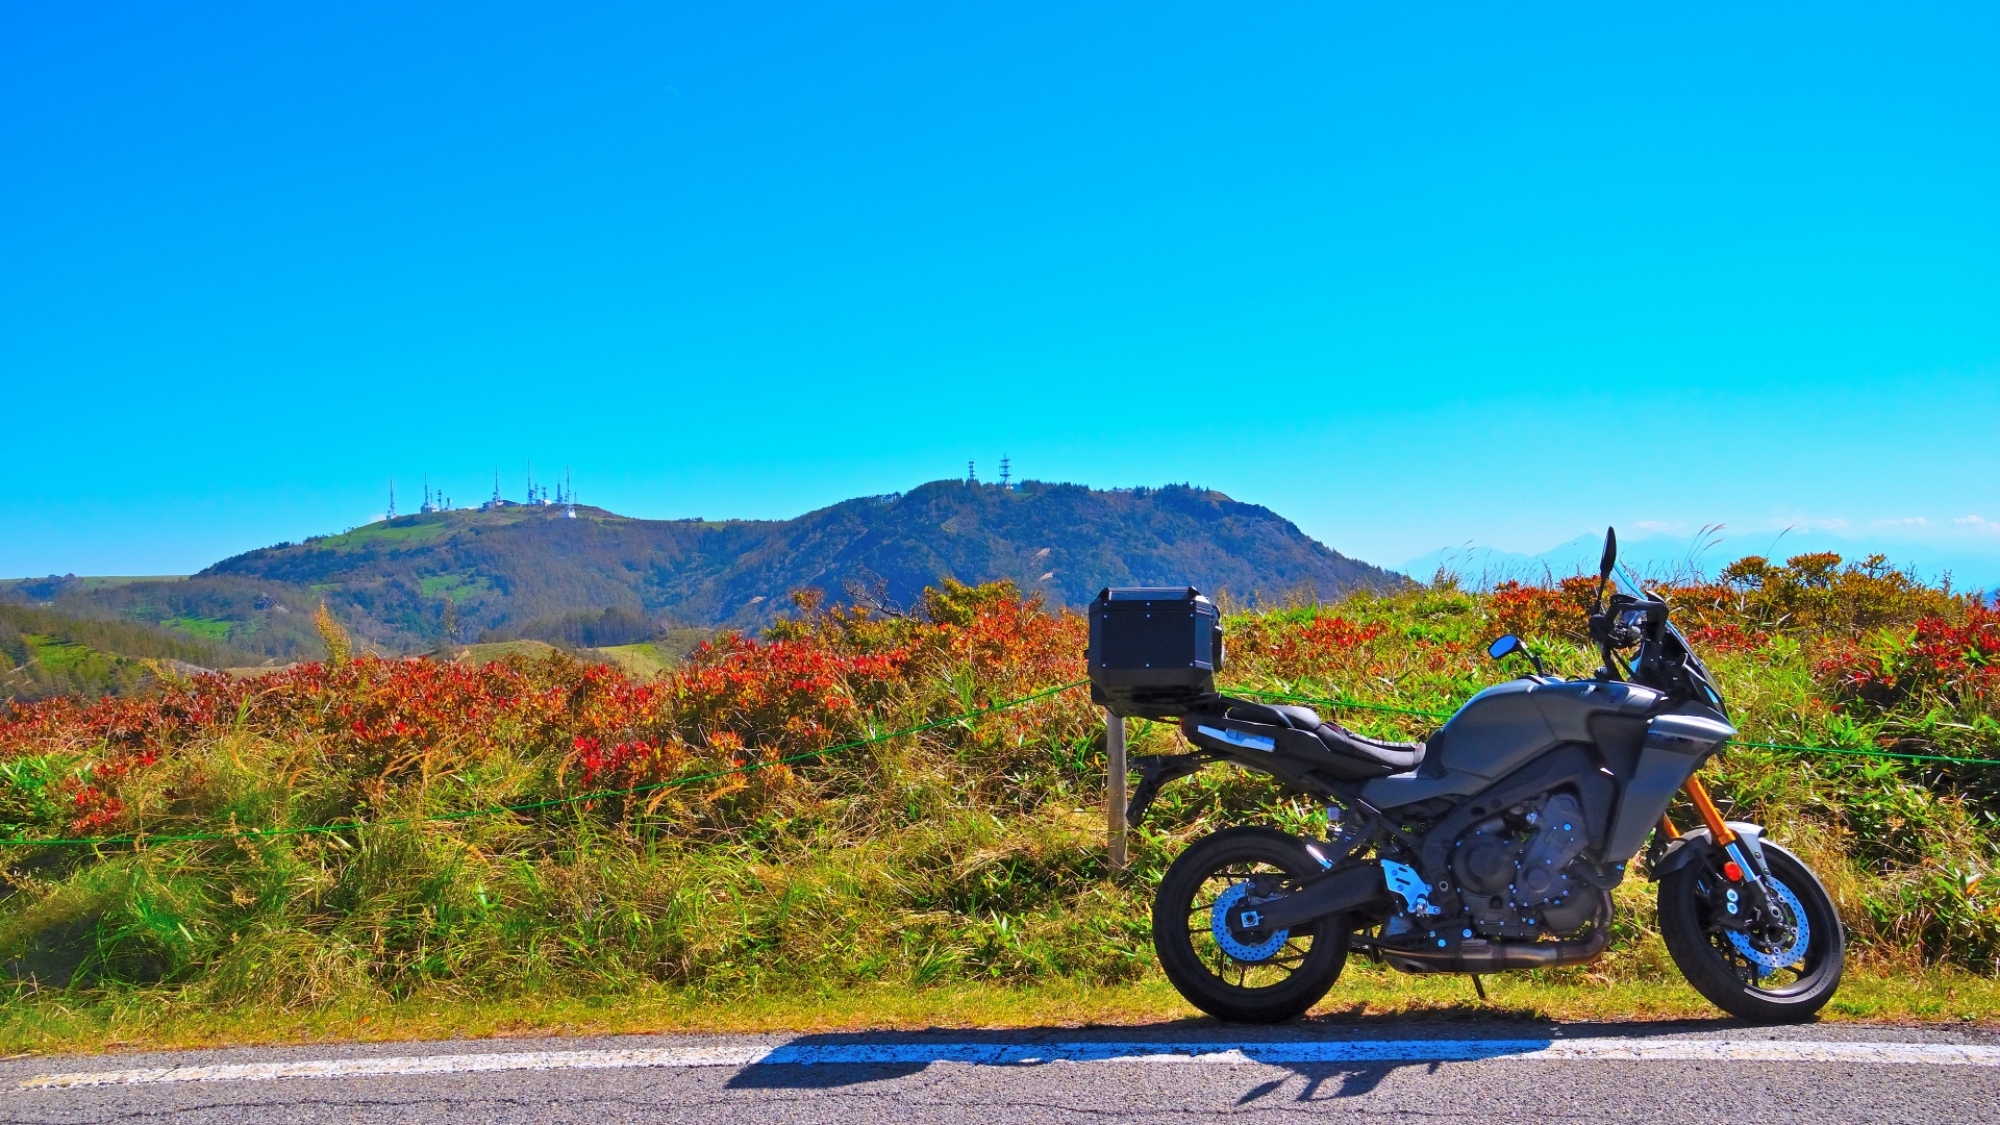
{"x": 553, "y": 802}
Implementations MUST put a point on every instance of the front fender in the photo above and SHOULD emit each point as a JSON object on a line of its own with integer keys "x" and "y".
{"x": 1695, "y": 842}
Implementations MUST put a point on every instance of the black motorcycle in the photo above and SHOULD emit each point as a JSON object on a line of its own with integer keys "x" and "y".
{"x": 1494, "y": 844}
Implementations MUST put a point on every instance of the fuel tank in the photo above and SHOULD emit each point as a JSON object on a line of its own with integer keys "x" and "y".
{"x": 1507, "y": 725}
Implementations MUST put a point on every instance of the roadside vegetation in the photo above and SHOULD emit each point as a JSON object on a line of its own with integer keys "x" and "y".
{"x": 676, "y": 844}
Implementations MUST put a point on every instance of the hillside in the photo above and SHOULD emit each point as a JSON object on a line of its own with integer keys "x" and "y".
{"x": 602, "y": 579}
{"x": 45, "y": 652}
{"x": 252, "y": 621}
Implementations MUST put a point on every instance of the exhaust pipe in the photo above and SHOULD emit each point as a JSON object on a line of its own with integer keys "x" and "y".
{"x": 1492, "y": 957}
{"x": 1358, "y": 886}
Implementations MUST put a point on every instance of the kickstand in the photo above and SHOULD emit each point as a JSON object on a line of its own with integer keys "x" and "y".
{"x": 1479, "y": 988}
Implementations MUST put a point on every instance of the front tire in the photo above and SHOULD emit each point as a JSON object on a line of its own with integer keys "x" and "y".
{"x": 1233, "y": 974}
{"x": 1775, "y": 975}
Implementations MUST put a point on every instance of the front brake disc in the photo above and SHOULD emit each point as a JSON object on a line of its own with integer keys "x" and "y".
{"x": 1769, "y": 960}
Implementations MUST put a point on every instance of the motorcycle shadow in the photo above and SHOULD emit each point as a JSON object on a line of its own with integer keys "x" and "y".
{"x": 831, "y": 1060}
{"x": 1478, "y": 1022}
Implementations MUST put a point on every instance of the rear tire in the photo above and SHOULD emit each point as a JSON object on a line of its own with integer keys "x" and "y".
{"x": 1283, "y": 976}
{"x": 1725, "y": 972}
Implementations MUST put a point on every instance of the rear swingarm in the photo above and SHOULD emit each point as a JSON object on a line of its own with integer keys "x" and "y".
{"x": 1343, "y": 889}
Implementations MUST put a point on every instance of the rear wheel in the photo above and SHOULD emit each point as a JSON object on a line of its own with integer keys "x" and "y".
{"x": 1780, "y": 968}
{"x": 1248, "y": 975}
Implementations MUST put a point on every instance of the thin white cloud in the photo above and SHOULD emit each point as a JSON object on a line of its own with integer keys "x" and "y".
{"x": 1801, "y": 523}
{"x": 1906, "y": 521}
{"x": 1979, "y": 524}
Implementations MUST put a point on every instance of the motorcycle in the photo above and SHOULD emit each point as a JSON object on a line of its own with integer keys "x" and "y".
{"x": 1494, "y": 844}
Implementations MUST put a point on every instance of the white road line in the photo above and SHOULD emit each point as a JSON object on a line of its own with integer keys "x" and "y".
{"x": 1008, "y": 1054}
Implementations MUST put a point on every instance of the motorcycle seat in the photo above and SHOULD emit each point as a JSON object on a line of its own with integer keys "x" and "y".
{"x": 1301, "y": 733}
{"x": 1398, "y": 757}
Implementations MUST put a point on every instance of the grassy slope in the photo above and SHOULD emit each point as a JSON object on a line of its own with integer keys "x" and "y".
{"x": 206, "y": 628}
{"x": 253, "y": 620}
{"x": 953, "y": 877}
{"x": 499, "y": 650}
{"x": 48, "y": 652}
{"x": 645, "y": 660}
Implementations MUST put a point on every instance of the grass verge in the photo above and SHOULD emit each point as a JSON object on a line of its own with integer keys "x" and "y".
{"x": 1366, "y": 996}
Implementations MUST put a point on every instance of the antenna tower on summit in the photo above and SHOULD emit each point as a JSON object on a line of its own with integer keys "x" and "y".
{"x": 1006, "y": 473}
{"x": 392, "y": 498}
{"x": 569, "y": 496}
{"x": 538, "y": 494}
{"x": 970, "y": 476}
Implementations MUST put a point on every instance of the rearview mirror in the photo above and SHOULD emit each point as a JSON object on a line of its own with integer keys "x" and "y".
{"x": 1604, "y": 565}
{"x": 1509, "y": 645}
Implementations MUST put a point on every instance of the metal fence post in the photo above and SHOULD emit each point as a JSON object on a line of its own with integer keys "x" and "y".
{"x": 1114, "y": 803}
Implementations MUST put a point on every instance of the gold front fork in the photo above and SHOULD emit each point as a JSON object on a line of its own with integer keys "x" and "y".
{"x": 1718, "y": 828}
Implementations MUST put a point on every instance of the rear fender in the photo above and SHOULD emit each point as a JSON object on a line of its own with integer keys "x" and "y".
{"x": 1257, "y": 748}
{"x": 1156, "y": 770}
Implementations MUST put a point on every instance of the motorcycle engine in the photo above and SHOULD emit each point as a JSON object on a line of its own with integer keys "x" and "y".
{"x": 1514, "y": 871}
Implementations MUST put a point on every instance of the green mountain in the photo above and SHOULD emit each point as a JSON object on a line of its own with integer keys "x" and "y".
{"x": 600, "y": 579}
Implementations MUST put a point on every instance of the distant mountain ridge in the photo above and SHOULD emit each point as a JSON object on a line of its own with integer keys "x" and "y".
{"x": 1664, "y": 555}
{"x": 411, "y": 583}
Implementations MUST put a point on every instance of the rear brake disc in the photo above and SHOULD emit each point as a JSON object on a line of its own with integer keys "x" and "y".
{"x": 1225, "y": 935}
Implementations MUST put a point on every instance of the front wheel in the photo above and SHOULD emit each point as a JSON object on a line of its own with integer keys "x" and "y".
{"x": 1248, "y": 975}
{"x": 1780, "y": 967}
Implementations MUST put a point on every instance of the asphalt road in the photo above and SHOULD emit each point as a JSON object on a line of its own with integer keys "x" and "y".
{"x": 1383, "y": 1071}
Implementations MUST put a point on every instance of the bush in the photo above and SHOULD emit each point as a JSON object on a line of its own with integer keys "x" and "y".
{"x": 973, "y": 848}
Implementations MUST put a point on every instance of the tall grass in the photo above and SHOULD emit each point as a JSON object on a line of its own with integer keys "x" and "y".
{"x": 971, "y": 851}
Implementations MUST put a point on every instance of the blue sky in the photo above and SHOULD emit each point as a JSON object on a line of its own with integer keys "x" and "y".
{"x": 1412, "y": 278}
